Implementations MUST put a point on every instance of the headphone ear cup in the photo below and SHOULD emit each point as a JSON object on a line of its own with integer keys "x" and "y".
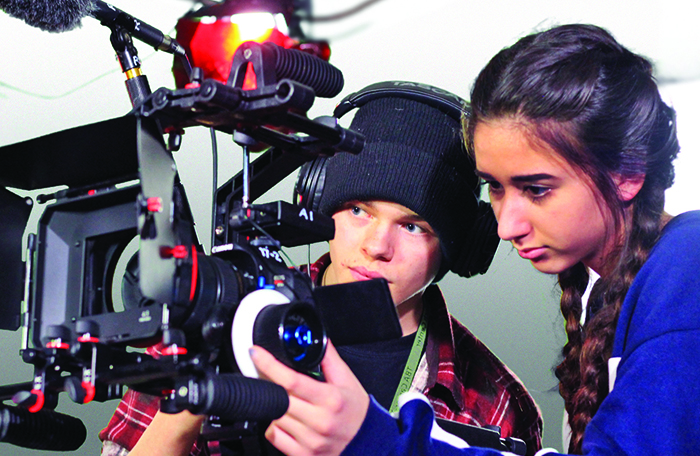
{"x": 309, "y": 186}
{"x": 480, "y": 246}
{"x": 301, "y": 186}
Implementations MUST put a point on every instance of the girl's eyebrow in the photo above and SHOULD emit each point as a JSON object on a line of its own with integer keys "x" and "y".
{"x": 483, "y": 175}
{"x": 531, "y": 177}
{"x": 522, "y": 178}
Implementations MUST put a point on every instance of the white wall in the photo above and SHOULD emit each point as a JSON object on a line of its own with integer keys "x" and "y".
{"x": 50, "y": 82}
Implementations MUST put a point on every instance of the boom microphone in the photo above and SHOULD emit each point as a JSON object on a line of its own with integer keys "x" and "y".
{"x": 65, "y": 15}
{"x": 109, "y": 15}
{"x": 43, "y": 430}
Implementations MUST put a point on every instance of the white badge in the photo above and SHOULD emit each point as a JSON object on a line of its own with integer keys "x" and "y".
{"x": 612, "y": 371}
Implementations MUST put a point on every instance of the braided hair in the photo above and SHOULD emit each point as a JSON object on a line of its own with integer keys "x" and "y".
{"x": 596, "y": 104}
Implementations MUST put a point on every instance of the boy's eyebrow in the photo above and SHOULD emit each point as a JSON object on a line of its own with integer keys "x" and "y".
{"x": 414, "y": 218}
{"x": 409, "y": 217}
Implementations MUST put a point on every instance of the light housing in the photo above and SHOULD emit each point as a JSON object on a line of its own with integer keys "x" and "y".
{"x": 212, "y": 34}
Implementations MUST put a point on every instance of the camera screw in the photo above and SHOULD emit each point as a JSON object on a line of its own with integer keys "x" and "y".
{"x": 179, "y": 251}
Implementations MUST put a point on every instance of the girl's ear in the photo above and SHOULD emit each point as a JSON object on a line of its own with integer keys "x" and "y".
{"x": 628, "y": 187}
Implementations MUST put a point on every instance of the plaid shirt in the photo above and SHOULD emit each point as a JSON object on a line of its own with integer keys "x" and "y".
{"x": 460, "y": 376}
{"x": 467, "y": 383}
{"x": 133, "y": 415}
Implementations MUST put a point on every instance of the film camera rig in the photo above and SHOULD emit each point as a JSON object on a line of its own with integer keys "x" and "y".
{"x": 125, "y": 225}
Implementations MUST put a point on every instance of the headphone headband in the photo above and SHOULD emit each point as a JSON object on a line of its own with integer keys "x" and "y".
{"x": 446, "y": 102}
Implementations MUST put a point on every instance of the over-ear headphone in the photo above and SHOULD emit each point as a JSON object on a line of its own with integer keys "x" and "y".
{"x": 482, "y": 239}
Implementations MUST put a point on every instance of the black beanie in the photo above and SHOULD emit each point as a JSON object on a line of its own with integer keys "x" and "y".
{"x": 413, "y": 156}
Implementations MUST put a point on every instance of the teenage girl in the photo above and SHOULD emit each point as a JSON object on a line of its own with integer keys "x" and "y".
{"x": 571, "y": 137}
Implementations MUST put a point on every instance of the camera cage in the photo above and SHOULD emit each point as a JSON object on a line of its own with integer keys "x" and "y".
{"x": 178, "y": 296}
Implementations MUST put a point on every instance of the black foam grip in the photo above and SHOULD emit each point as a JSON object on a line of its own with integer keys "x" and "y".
{"x": 324, "y": 78}
{"x": 239, "y": 398}
{"x": 138, "y": 89}
{"x": 43, "y": 430}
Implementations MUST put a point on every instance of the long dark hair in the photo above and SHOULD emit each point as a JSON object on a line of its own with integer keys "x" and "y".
{"x": 597, "y": 105}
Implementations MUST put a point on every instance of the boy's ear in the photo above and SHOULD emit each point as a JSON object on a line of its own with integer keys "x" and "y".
{"x": 628, "y": 187}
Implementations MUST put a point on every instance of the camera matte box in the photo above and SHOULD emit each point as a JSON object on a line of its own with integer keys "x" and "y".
{"x": 358, "y": 312}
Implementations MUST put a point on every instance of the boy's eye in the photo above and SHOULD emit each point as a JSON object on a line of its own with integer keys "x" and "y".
{"x": 356, "y": 210}
{"x": 414, "y": 228}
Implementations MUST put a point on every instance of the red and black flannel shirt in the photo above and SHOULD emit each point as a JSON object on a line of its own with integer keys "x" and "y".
{"x": 460, "y": 376}
{"x": 467, "y": 383}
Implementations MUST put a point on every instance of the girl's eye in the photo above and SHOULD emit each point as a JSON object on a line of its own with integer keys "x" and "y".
{"x": 493, "y": 186}
{"x": 537, "y": 192}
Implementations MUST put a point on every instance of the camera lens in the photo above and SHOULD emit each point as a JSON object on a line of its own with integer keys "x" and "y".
{"x": 293, "y": 333}
{"x": 297, "y": 340}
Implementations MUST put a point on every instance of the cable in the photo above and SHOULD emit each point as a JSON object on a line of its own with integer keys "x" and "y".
{"x": 215, "y": 183}
{"x": 342, "y": 15}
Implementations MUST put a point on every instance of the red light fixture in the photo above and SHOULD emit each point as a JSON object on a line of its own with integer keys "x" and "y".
{"x": 212, "y": 34}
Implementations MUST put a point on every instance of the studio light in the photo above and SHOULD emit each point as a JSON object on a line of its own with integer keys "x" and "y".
{"x": 212, "y": 34}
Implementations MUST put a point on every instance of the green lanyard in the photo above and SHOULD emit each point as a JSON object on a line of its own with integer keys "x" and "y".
{"x": 412, "y": 364}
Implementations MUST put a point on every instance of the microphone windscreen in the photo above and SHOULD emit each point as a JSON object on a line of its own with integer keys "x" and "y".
{"x": 49, "y": 15}
{"x": 326, "y": 80}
